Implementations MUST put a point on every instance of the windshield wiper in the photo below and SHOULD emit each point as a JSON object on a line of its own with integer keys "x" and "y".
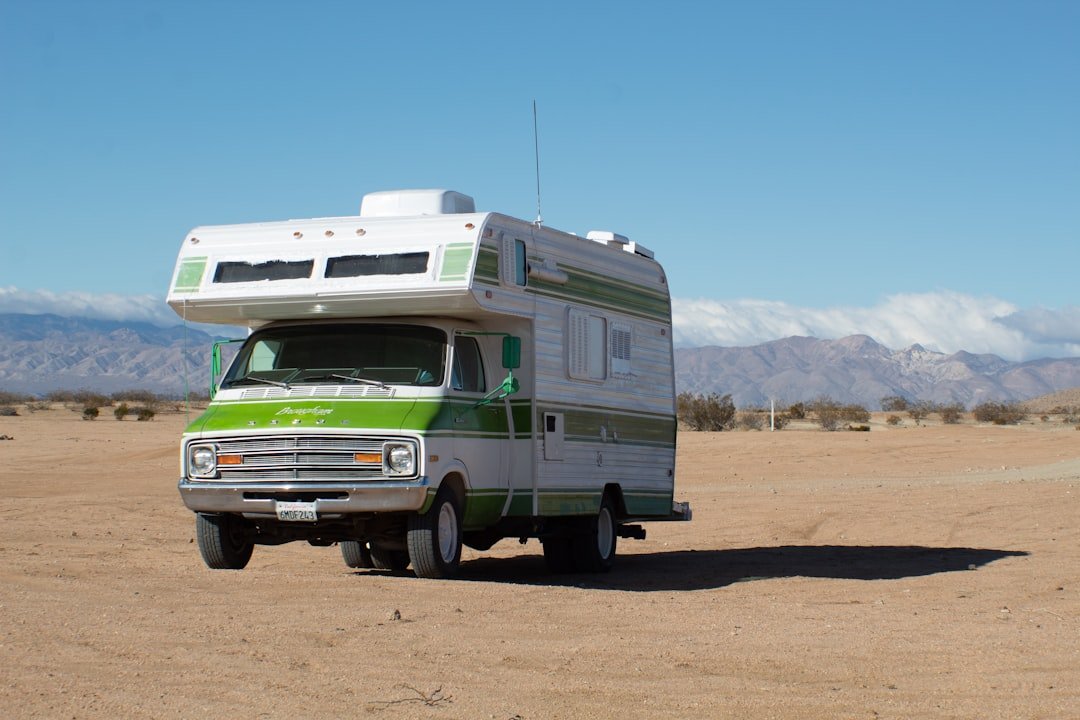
{"x": 365, "y": 381}
{"x": 254, "y": 378}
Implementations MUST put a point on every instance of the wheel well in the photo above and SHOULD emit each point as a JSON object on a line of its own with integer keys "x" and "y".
{"x": 614, "y": 490}
{"x": 456, "y": 483}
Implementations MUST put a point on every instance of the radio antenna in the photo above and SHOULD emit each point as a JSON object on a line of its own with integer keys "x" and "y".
{"x": 536, "y": 144}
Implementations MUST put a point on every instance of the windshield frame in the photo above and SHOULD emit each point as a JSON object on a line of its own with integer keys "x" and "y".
{"x": 392, "y": 353}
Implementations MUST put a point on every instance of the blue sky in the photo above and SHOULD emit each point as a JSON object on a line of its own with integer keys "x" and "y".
{"x": 908, "y": 170}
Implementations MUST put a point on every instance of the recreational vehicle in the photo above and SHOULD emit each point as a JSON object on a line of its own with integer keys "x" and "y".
{"x": 423, "y": 376}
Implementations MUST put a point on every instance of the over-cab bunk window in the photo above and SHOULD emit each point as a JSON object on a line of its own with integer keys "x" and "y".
{"x": 233, "y": 272}
{"x": 414, "y": 263}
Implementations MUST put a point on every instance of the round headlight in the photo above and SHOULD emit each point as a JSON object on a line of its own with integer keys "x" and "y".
{"x": 203, "y": 460}
{"x": 399, "y": 458}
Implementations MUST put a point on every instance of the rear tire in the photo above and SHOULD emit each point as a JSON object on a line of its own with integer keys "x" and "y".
{"x": 435, "y": 537}
{"x": 224, "y": 542}
{"x": 594, "y": 551}
{"x": 355, "y": 553}
{"x": 383, "y": 559}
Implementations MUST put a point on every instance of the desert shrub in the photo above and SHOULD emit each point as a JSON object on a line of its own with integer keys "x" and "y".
{"x": 920, "y": 410}
{"x": 89, "y": 398}
{"x": 859, "y": 428}
{"x": 1045, "y": 418}
{"x": 710, "y": 412}
{"x": 36, "y": 405}
{"x": 894, "y": 403}
{"x": 14, "y": 398}
{"x": 61, "y": 396}
{"x": 144, "y": 413}
{"x": 780, "y": 420}
{"x": 143, "y": 397}
{"x": 90, "y": 413}
{"x": 8, "y": 411}
{"x": 855, "y": 414}
{"x": 796, "y": 411}
{"x": 121, "y": 411}
{"x": 750, "y": 420}
{"x": 827, "y": 412}
{"x": 951, "y": 414}
{"x": 999, "y": 413}
{"x": 894, "y": 420}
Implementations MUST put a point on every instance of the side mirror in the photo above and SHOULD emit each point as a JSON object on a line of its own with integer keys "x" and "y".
{"x": 511, "y": 352}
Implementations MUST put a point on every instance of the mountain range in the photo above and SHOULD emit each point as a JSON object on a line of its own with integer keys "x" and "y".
{"x": 41, "y": 353}
{"x": 857, "y": 369}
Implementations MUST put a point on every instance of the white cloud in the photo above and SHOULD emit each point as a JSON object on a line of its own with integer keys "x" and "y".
{"x": 943, "y": 321}
{"x": 103, "y": 306}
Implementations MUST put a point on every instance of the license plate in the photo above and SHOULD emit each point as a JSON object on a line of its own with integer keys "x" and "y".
{"x": 296, "y": 511}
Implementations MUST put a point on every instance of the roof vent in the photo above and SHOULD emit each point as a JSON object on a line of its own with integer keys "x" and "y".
{"x": 616, "y": 240}
{"x": 410, "y": 203}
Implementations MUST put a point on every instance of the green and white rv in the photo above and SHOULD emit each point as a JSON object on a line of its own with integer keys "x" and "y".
{"x": 423, "y": 375}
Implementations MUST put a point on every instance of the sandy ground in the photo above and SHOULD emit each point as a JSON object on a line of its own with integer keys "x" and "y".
{"x": 920, "y": 572}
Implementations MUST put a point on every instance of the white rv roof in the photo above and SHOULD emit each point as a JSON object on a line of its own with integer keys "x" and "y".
{"x": 409, "y": 252}
{"x": 325, "y": 267}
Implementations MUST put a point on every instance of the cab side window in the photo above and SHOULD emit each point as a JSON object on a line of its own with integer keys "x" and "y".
{"x": 468, "y": 371}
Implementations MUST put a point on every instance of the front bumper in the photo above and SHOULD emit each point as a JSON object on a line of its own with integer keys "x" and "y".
{"x": 252, "y": 499}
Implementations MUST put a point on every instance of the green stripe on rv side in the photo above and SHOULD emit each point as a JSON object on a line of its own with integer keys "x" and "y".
{"x": 456, "y": 418}
{"x": 190, "y": 274}
{"x": 457, "y": 261}
{"x": 583, "y": 423}
{"x": 585, "y": 288}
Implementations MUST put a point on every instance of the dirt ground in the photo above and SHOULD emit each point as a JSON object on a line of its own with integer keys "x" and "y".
{"x": 914, "y": 572}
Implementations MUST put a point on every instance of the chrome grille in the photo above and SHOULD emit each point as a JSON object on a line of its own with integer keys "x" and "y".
{"x": 300, "y": 458}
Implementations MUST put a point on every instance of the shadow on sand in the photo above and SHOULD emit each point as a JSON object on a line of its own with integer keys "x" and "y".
{"x": 708, "y": 569}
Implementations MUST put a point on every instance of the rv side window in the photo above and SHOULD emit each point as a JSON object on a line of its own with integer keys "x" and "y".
{"x": 586, "y": 346}
{"x": 231, "y": 272}
{"x": 467, "y": 374}
{"x": 515, "y": 262}
{"x": 345, "y": 266}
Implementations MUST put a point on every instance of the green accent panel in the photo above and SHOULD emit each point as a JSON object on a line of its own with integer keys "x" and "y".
{"x": 190, "y": 275}
{"x": 483, "y": 508}
{"x": 582, "y": 424}
{"x": 436, "y": 416}
{"x": 522, "y": 412}
{"x": 429, "y": 500}
{"x": 457, "y": 261}
{"x": 521, "y": 504}
{"x": 570, "y": 501}
{"x": 648, "y": 503}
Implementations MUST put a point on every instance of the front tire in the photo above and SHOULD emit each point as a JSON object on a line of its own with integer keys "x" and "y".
{"x": 224, "y": 542}
{"x": 356, "y": 554}
{"x": 594, "y": 550}
{"x": 435, "y": 537}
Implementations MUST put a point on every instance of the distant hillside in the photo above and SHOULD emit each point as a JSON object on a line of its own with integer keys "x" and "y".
{"x": 40, "y": 353}
{"x": 858, "y": 369}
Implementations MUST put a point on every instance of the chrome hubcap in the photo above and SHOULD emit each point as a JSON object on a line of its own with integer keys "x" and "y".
{"x": 447, "y": 532}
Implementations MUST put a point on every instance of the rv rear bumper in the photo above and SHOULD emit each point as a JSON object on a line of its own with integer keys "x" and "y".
{"x": 260, "y": 499}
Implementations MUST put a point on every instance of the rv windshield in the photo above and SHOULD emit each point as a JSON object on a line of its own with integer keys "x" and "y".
{"x": 341, "y": 354}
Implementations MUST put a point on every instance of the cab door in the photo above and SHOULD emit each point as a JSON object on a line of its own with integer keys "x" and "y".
{"x": 481, "y": 435}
